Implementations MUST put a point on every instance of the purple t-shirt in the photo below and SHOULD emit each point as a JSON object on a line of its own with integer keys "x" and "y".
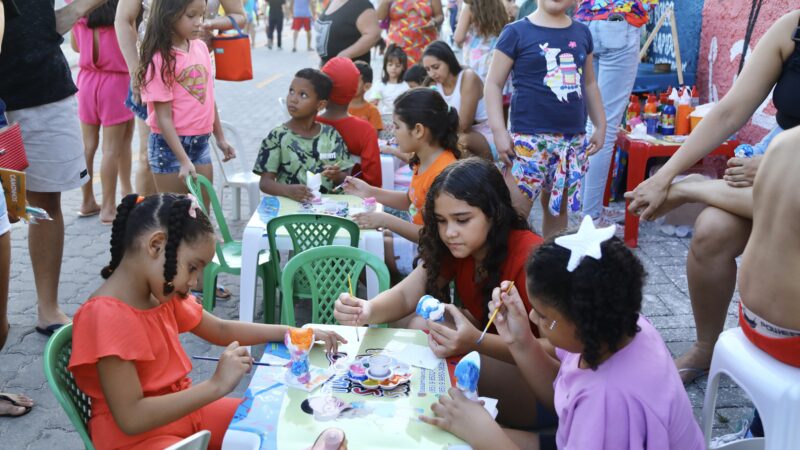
{"x": 547, "y": 76}
{"x": 634, "y": 400}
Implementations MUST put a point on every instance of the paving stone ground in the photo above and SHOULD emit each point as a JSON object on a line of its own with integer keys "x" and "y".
{"x": 253, "y": 108}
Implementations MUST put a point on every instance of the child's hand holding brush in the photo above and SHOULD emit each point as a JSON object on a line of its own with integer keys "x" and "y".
{"x": 512, "y": 321}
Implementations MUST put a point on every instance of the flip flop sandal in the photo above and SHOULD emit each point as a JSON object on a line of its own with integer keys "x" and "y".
{"x": 693, "y": 372}
{"x": 88, "y": 214}
{"x": 48, "y": 330}
{"x": 8, "y": 399}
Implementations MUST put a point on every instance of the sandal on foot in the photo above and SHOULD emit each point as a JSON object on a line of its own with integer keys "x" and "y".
{"x": 693, "y": 373}
{"x": 7, "y": 398}
{"x": 48, "y": 330}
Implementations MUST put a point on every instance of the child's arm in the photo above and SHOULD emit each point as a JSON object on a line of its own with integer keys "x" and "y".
{"x": 296, "y": 192}
{"x": 222, "y": 332}
{"x": 471, "y": 93}
{"x": 446, "y": 341}
{"x": 376, "y": 220}
{"x": 73, "y": 42}
{"x": 134, "y": 413}
{"x": 228, "y": 151}
{"x": 393, "y": 199}
{"x": 493, "y": 99}
{"x": 464, "y": 19}
{"x": 595, "y": 107}
{"x": 163, "y": 112}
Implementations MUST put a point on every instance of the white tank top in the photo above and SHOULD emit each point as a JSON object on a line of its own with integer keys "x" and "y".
{"x": 454, "y": 100}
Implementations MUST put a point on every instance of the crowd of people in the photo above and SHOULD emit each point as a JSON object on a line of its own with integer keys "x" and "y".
{"x": 531, "y": 110}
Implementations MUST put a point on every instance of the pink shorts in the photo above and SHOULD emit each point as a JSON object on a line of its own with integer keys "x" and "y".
{"x": 101, "y": 97}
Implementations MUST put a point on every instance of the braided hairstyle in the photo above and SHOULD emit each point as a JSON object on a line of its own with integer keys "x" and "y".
{"x": 137, "y": 215}
{"x": 601, "y": 297}
{"x": 478, "y": 183}
{"x": 427, "y": 107}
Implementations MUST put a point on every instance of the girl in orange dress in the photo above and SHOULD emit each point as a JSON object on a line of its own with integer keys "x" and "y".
{"x": 126, "y": 355}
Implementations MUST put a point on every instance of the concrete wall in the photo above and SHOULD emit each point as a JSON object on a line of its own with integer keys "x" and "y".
{"x": 721, "y": 45}
{"x": 688, "y": 16}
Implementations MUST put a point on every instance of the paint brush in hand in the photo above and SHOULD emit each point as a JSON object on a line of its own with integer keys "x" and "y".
{"x": 345, "y": 181}
{"x": 491, "y": 318}
{"x": 350, "y": 290}
{"x": 255, "y": 363}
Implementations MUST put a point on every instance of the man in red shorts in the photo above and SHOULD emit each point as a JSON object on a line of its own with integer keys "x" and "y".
{"x": 303, "y": 13}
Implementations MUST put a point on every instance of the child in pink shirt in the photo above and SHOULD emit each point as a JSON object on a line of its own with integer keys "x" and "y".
{"x": 600, "y": 364}
{"x": 177, "y": 85}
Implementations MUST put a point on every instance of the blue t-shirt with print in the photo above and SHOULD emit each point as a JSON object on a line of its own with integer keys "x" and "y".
{"x": 547, "y": 76}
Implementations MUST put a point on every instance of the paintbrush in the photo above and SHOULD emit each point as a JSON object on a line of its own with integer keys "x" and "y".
{"x": 491, "y": 318}
{"x": 255, "y": 363}
{"x": 350, "y": 289}
{"x": 345, "y": 181}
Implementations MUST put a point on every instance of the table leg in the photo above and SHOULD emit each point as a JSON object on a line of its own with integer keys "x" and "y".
{"x": 637, "y": 165}
{"x": 251, "y": 246}
{"x": 373, "y": 243}
{"x": 610, "y": 179}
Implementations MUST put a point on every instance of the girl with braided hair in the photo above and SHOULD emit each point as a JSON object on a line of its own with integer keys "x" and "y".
{"x": 126, "y": 355}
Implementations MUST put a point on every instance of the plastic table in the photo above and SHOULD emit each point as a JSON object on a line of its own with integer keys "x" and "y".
{"x": 639, "y": 152}
{"x": 254, "y": 241}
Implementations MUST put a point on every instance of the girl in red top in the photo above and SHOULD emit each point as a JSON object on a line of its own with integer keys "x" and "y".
{"x": 126, "y": 355}
{"x": 427, "y": 129}
{"x": 471, "y": 236}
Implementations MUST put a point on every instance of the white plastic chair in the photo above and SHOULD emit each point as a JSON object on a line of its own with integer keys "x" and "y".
{"x": 197, "y": 441}
{"x": 243, "y": 178}
{"x": 773, "y": 387}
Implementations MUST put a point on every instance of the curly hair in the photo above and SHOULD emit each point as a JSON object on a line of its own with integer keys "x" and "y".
{"x": 166, "y": 211}
{"x": 601, "y": 297}
{"x": 426, "y": 107}
{"x": 480, "y": 184}
{"x": 158, "y": 40}
{"x": 488, "y": 16}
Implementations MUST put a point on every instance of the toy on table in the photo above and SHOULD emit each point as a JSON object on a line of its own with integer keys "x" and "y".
{"x": 430, "y": 308}
{"x": 299, "y": 342}
{"x": 467, "y": 373}
{"x": 379, "y": 371}
{"x": 370, "y": 204}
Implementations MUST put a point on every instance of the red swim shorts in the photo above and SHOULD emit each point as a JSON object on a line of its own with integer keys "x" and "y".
{"x": 301, "y": 22}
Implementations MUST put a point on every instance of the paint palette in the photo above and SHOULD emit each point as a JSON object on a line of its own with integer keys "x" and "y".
{"x": 379, "y": 372}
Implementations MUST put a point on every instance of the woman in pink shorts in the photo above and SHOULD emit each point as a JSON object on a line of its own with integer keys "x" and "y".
{"x": 103, "y": 83}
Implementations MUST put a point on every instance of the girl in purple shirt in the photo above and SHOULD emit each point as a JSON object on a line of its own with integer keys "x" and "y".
{"x": 599, "y": 364}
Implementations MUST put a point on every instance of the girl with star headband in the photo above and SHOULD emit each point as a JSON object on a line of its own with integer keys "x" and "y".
{"x": 600, "y": 365}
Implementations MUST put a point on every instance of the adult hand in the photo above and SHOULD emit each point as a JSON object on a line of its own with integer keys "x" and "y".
{"x": 356, "y": 186}
{"x": 234, "y": 362}
{"x": 371, "y": 220}
{"x": 742, "y": 171}
{"x": 461, "y": 416}
{"x": 596, "y": 141}
{"x": 512, "y": 321}
{"x": 351, "y": 310}
{"x": 445, "y": 341}
{"x": 648, "y": 197}
{"x": 187, "y": 169}
{"x": 505, "y": 147}
{"x": 228, "y": 152}
{"x": 330, "y": 338}
{"x": 298, "y": 192}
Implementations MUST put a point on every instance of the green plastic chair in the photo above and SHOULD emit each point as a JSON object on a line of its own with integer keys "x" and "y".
{"x": 306, "y": 231}
{"x": 326, "y": 269}
{"x": 75, "y": 403}
{"x": 229, "y": 253}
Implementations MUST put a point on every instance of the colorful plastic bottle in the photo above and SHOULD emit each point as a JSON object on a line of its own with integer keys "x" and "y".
{"x": 651, "y": 115}
{"x": 683, "y": 111}
{"x": 695, "y": 97}
{"x": 668, "y": 119}
{"x": 634, "y": 110}
{"x": 743, "y": 151}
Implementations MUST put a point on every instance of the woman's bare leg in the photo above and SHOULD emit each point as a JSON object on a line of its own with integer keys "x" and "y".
{"x": 145, "y": 181}
{"x": 698, "y": 189}
{"x": 553, "y": 224}
{"x": 91, "y": 139}
{"x": 125, "y": 161}
{"x": 719, "y": 237}
{"x": 113, "y": 142}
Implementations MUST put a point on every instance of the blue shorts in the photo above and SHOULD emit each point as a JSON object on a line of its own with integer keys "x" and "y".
{"x": 162, "y": 160}
{"x": 139, "y": 109}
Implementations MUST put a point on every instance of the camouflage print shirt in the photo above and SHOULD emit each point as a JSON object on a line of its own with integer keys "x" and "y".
{"x": 289, "y": 155}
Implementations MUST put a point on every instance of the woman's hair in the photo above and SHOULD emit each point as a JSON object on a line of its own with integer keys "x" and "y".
{"x": 394, "y": 52}
{"x": 601, "y": 297}
{"x": 322, "y": 83}
{"x": 441, "y": 51}
{"x": 103, "y": 15}
{"x": 415, "y": 74}
{"x": 427, "y": 107}
{"x": 158, "y": 39}
{"x": 169, "y": 212}
{"x": 489, "y": 16}
{"x": 479, "y": 183}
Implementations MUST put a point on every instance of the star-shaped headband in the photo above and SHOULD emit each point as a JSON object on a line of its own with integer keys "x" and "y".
{"x": 586, "y": 242}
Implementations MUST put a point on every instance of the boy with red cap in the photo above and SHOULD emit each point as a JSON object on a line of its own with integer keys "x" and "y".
{"x": 359, "y": 136}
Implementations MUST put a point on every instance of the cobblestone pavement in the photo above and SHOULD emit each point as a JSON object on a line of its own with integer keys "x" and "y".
{"x": 253, "y": 108}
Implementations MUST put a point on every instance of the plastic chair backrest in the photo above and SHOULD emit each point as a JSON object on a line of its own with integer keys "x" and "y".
{"x": 197, "y": 441}
{"x": 74, "y": 402}
{"x": 327, "y": 269}
{"x": 195, "y": 186}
